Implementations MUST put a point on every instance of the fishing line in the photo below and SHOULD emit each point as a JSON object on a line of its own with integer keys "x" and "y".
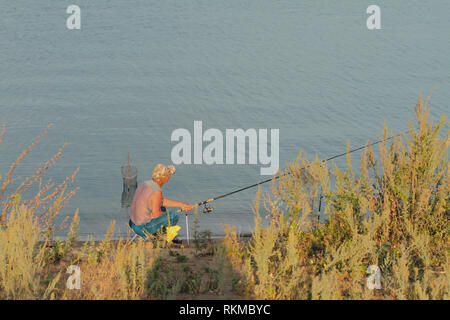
{"x": 206, "y": 203}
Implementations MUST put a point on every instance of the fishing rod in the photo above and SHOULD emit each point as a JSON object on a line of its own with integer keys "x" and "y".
{"x": 206, "y": 203}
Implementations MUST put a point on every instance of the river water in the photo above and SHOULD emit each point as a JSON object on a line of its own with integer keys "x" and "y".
{"x": 139, "y": 69}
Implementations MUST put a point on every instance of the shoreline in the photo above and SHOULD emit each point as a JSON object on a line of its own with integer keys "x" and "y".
{"x": 82, "y": 239}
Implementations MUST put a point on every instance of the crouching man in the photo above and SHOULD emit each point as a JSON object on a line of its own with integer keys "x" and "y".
{"x": 150, "y": 210}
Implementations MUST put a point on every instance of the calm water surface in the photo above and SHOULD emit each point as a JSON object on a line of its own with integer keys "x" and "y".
{"x": 139, "y": 69}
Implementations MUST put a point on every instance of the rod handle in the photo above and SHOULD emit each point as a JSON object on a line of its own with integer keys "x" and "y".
{"x": 194, "y": 206}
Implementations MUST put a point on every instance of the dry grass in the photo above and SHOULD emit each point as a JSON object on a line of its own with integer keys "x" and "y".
{"x": 394, "y": 214}
{"x": 49, "y": 199}
{"x": 22, "y": 258}
{"x": 117, "y": 272}
{"x": 26, "y": 225}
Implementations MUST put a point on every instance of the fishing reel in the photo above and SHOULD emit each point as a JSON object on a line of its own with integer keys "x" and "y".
{"x": 207, "y": 208}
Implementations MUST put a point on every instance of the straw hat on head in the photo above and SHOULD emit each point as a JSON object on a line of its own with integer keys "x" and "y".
{"x": 161, "y": 171}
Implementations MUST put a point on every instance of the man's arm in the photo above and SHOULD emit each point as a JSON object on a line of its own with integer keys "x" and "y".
{"x": 173, "y": 203}
{"x": 155, "y": 204}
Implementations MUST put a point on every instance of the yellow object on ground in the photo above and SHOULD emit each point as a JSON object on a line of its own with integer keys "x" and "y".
{"x": 172, "y": 232}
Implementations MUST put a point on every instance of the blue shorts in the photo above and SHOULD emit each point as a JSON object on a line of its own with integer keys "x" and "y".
{"x": 156, "y": 224}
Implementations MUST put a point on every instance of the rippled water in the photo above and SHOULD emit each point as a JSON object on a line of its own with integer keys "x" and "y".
{"x": 139, "y": 69}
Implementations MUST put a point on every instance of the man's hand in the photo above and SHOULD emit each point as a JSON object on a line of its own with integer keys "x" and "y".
{"x": 188, "y": 207}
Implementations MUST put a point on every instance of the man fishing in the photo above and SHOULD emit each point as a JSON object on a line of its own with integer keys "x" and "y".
{"x": 148, "y": 210}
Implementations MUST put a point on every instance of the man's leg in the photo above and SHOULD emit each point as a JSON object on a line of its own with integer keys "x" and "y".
{"x": 171, "y": 218}
{"x": 137, "y": 229}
